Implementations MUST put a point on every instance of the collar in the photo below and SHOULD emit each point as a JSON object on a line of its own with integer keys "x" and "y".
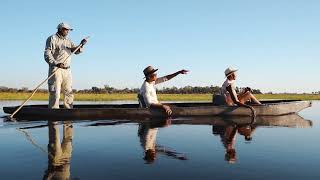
{"x": 59, "y": 36}
{"x": 151, "y": 83}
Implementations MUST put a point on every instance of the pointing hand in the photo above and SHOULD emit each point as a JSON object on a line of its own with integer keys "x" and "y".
{"x": 183, "y": 71}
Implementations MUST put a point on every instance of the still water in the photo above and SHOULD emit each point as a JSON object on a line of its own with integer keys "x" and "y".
{"x": 286, "y": 148}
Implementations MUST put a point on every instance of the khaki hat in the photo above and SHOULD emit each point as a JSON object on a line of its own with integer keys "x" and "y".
{"x": 229, "y": 71}
{"x": 64, "y": 25}
{"x": 149, "y": 70}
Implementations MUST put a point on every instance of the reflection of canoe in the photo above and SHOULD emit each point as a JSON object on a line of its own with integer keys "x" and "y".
{"x": 291, "y": 120}
{"x": 269, "y": 108}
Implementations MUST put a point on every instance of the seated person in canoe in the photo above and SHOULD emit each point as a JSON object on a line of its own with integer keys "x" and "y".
{"x": 147, "y": 95}
{"x": 229, "y": 95}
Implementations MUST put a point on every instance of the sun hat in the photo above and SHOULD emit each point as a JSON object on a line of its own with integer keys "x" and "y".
{"x": 149, "y": 70}
{"x": 229, "y": 71}
{"x": 64, "y": 25}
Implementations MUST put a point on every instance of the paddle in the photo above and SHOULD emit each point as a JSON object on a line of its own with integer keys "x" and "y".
{"x": 35, "y": 90}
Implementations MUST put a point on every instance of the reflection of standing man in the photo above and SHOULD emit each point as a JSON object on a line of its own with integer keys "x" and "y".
{"x": 59, "y": 154}
{"x": 58, "y": 48}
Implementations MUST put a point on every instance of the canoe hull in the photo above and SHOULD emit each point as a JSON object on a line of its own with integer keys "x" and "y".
{"x": 127, "y": 111}
{"x": 269, "y": 109}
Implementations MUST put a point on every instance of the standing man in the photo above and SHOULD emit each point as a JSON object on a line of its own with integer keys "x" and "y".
{"x": 57, "y": 55}
{"x": 147, "y": 95}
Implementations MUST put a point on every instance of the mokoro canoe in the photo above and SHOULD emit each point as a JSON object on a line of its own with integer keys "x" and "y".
{"x": 290, "y": 120}
{"x": 128, "y": 111}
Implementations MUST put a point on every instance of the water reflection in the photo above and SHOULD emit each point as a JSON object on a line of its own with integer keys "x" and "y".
{"x": 228, "y": 134}
{"x": 59, "y": 153}
{"x": 228, "y": 130}
{"x": 147, "y": 132}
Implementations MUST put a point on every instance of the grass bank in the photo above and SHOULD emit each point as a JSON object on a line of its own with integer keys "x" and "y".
{"x": 162, "y": 97}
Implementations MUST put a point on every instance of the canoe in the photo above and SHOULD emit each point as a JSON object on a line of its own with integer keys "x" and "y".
{"x": 128, "y": 111}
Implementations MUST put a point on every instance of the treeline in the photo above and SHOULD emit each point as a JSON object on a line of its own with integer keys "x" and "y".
{"x": 112, "y": 90}
{"x": 21, "y": 90}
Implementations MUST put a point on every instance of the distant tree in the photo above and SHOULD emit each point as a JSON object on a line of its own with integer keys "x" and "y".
{"x": 95, "y": 89}
{"x": 3, "y": 89}
{"x": 23, "y": 89}
{"x": 109, "y": 89}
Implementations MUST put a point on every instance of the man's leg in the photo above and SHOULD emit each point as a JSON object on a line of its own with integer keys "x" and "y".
{"x": 54, "y": 90}
{"x": 248, "y": 96}
{"x": 67, "y": 140}
{"x": 54, "y": 146}
{"x": 67, "y": 89}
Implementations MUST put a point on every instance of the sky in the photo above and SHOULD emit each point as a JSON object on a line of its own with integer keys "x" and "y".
{"x": 274, "y": 44}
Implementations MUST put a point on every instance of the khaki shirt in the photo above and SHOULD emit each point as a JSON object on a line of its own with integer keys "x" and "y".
{"x": 57, "y": 50}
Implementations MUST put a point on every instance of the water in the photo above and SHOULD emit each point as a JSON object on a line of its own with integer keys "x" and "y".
{"x": 80, "y": 150}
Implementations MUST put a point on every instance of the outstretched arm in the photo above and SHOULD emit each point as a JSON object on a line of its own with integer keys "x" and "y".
{"x": 170, "y": 76}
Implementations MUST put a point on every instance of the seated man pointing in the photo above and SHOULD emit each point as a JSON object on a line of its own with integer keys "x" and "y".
{"x": 147, "y": 95}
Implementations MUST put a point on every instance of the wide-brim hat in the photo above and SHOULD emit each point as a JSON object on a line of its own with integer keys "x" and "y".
{"x": 229, "y": 71}
{"x": 149, "y": 70}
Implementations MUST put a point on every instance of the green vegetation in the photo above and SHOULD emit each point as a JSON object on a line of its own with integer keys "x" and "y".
{"x": 289, "y": 96}
{"x": 162, "y": 97}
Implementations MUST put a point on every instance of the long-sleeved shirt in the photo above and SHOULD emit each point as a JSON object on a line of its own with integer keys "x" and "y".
{"x": 57, "y": 50}
{"x": 225, "y": 93}
{"x": 148, "y": 91}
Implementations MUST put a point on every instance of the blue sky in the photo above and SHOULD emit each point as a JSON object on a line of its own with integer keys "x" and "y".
{"x": 274, "y": 44}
